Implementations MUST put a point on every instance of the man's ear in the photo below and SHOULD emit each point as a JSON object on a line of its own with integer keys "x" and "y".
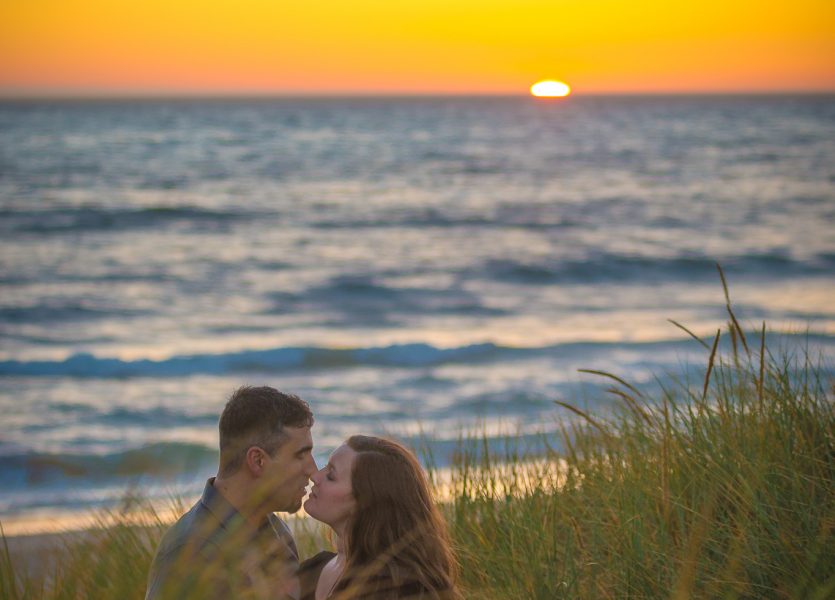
{"x": 255, "y": 460}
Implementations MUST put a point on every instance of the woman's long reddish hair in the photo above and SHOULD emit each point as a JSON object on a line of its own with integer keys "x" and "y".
{"x": 397, "y": 545}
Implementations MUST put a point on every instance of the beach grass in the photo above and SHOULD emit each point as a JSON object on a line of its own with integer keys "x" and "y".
{"x": 716, "y": 488}
{"x": 110, "y": 559}
{"x": 721, "y": 488}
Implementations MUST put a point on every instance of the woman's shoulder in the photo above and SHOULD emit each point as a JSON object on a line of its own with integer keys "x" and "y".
{"x": 310, "y": 570}
{"x": 317, "y": 560}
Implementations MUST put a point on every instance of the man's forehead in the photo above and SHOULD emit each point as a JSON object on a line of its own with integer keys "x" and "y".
{"x": 299, "y": 436}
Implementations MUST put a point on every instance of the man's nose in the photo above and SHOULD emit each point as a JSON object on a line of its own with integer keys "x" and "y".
{"x": 314, "y": 477}
{"x": 311, "y": 468}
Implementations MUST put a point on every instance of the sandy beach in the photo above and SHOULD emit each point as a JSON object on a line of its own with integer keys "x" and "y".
{"x": 36, "y": 543}
{"x": 37, "y": 554}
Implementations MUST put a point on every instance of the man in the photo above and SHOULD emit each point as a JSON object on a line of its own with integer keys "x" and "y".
{"x": 230, "y": 544}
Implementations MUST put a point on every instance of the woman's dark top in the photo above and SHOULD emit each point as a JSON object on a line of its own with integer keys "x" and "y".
{"x": 379, "y": 588}
{"x": 309, "y": 572}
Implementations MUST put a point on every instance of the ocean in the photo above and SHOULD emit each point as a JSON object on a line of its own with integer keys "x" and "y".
{"x": 415, "y": 267}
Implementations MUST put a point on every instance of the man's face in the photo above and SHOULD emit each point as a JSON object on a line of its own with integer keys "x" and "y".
{"x": 285, "y": 475}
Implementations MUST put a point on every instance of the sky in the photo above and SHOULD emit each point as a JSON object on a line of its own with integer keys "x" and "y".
{"x": 414, "y": 46}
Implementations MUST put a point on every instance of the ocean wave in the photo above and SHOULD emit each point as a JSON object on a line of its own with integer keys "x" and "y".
{"x": 621, "y": 267}
{"x": 94, "y": 218}
{"x": 28, "y": 469}
{"x": 429, "y": 219}
{"x": 405, "y": 355}
{"x": 51, "y": 310}
{"x": 368, "y": 299}
{"x": 505, "y": 401}
{"x": 414, "y": 355}
{"x": 157, "y": 417}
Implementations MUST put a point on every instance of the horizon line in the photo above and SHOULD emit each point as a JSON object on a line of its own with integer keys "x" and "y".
{"x": 287, "y": 95}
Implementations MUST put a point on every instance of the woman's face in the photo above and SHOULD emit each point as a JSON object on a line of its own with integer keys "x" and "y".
{"x": 331, "y": 500}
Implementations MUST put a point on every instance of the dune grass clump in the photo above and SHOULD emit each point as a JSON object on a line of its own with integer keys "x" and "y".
{"x": 720, "y": 489}
{"x": 108, "y": 560}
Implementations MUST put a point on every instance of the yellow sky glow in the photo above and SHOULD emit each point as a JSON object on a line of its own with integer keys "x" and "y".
{"x": 414, "y": 46}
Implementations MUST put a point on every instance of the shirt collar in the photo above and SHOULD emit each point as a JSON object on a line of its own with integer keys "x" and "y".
{"x": 227, "y": 515}
{"x": 219, "y": 507}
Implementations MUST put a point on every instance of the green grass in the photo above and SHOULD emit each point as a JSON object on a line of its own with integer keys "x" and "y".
{"x": 721, "y": 488}
{"x": 110, "y": 560}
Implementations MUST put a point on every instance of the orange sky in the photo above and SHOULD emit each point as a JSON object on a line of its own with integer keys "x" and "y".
{"x": 414, "y": 46}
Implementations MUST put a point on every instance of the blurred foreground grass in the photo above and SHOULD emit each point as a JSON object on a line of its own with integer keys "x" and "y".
{"x": 718, "y": 489}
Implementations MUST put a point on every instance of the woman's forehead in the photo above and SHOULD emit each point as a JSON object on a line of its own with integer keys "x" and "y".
{"x": 342, "y": 458}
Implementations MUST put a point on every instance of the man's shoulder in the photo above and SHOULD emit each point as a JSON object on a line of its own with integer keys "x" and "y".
{"x": 193, "y": 535}
{"x": 197, "y": 529}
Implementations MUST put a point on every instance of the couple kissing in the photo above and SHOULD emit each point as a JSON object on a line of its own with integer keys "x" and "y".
{"x": 391, "y": 540}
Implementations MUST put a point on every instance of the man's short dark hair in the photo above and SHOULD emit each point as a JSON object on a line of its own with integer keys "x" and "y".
{"x": 257, "y": 416}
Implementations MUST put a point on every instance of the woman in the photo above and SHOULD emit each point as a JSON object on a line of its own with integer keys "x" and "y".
{"x": 391, "y": 539}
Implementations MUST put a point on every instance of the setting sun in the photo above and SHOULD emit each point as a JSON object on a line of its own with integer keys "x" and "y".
{"x": 550, "y": 89}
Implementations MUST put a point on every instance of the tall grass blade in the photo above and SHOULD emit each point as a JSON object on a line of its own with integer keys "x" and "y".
{"x": 8, "y": 580}
{"x": 615, "y": 377}
{"x": 710, "y": 364}
{"x": 690, "y": 333}
{"x": 584, "y": 415}
{"x": 632, "y": 404}
{"x": 761, "y": 378}
{"x": 735, "y": 323}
